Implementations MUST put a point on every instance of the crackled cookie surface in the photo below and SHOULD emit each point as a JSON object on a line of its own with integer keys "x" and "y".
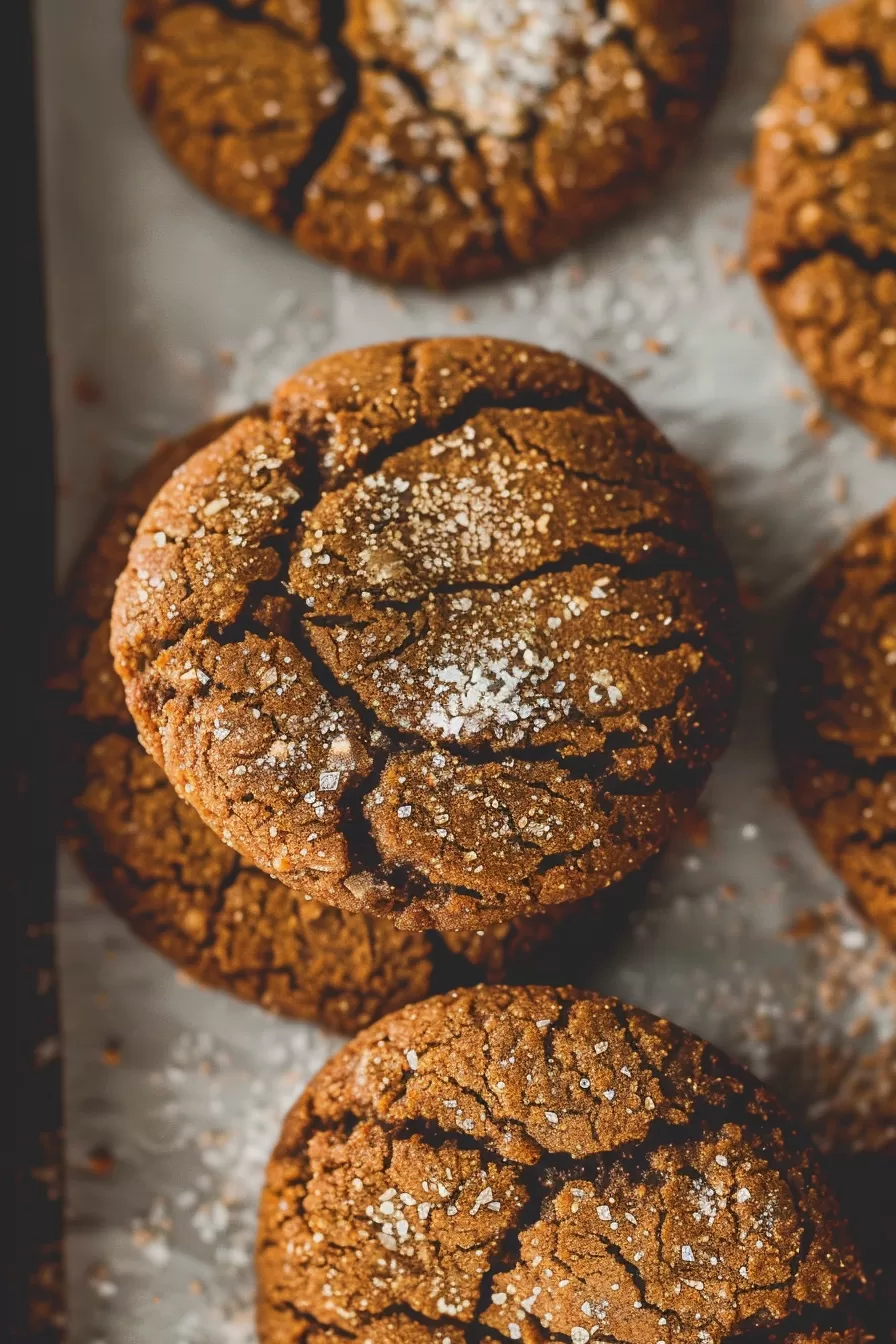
{"x": 823, "y": 238}
{"x": 428, "y": 141}
{"x": 837, "y": 715}
{"x": 446, "y": 635}
{"x": 545, "y": 1166}
{"x": 186, "y": 892}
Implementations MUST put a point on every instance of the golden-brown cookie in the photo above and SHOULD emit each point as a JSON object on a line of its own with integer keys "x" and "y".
{"x": 184, "y": 891}
{"x": 836, "y": 715}
{"x": 823, "y": 236}
{"x": 446, "y": 635}
{"x": 552, "y": 1167}
{"x": 427, "y": 141}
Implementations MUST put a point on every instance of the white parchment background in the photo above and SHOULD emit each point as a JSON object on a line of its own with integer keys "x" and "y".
{"x": 174, "y": 309}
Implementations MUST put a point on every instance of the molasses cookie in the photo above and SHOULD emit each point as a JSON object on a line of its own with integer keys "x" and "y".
{"x": 823, "y": 238}
{"x": 837, "y": 715}
{"x": 445, "y": 635}
{"x": 184, "y": 891}
{"x": 545, "y": 1165}
{"x": 427, "y": 141}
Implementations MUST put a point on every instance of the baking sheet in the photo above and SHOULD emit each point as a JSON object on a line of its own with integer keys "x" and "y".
{"x": 164, "y": 310}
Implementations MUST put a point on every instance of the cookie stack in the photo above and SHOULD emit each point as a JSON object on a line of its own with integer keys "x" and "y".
{"x": 432, "y": 649}
{"x": 383, "y": 687}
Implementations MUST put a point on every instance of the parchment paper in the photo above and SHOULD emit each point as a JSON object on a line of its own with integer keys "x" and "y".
{"x": 165, "y": 309}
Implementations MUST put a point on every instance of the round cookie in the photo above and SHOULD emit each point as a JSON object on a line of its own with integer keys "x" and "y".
{"x": 823, "y": 235}
{"x": 545, "y": 1165}
{"x": 184, "y": 891}
{"x": 836, "y": 715}
{"x": 427, "y": 141}
{"x": 446, "y": 636}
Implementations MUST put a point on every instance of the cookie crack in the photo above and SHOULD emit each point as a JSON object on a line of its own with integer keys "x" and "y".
{"x": 632, "y": 1155}
{"x": 408, "y": 883}
{"x": 290, "y": 199}
{"x": 559, "y": 752}
{"x": 640, "y": 1054}
{"x": 579, "y": 765}
{"x": 839, "y": 757}
{"x": 634, "y": 1273}
{"x": 253, "y": 13}
{"x": 585, "y": 555}
{"x": 473, "y": 403}
{"x": 541, "y": 1179}
{"x": 848, "y": 139}
{"x": 292, "y": 196}
{"x": 841, "y": 245}
{"x": 867, "y": 841}
{"x": 380, "y": 743}
{"x": 865, "y": 57}
{"x": 665, "y": 90}
{"x": 286, "y": 1308}
{"x": 318, "y": 481}
{"x": 599, "y": 478}
{"x": 414, "y": 86}
{"x": 508, "y": 1253}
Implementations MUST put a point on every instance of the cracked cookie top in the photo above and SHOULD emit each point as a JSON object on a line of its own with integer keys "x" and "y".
{"x": 545, "y": 1166}
{"x": 837, "y": 715}
{"x": 823, "y": 236}
{"x": 426, "y": 141}
{"x": 187, "y": 893}
{"x": 445, "y": 635}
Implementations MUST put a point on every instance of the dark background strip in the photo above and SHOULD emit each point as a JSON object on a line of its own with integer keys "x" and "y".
{"x": 31, "y": 1062}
